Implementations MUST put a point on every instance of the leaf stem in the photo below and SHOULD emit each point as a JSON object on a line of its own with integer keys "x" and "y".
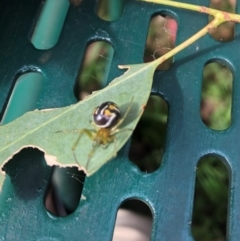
{"x": 213, "y": 24}
{"x": 219, "y": 18}
{"x": 183, "y": 5}
{"x": 202, "y": 9}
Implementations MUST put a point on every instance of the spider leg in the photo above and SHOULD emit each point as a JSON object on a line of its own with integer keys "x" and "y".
{"x": 113, "y": 133}
{"x": 89, "y": 133}
{"x": 115, "y": 148}
{"x": 92, "y": 123}
{"x": 124, "y": 117}
{"x": 90, "y": 155}
{"x": 117, "y": 131}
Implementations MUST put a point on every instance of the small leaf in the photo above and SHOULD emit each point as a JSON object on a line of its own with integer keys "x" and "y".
{"x": 52, "y": 131}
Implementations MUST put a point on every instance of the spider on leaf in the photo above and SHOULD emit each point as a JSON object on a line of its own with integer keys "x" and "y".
{"x": 106, "y": 120}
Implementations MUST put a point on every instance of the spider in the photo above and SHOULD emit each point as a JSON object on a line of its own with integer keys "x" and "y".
{"x": 106, "y": 120}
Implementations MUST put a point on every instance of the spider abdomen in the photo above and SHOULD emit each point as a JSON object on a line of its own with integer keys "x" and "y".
{"x": 107, "y": 115}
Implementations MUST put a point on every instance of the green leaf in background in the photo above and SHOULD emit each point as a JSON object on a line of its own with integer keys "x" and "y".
{"x": 40, "y": 129}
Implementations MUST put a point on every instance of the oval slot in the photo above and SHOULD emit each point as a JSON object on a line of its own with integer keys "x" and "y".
{"x": 24, "y": 96}
{"x": 146, "y": 149}
{"x": 226, "y": 31}
{"x": 216, "y": 97}
{"x": 49, "y": 24}
{"x": 64, "y": 191}
{"x": 134, "y": 221}
{"x": 94, "y": 69}
{"x": 160, "y": 39}
{"x": 109, "y": 10}
{"x": 209, "y": 220}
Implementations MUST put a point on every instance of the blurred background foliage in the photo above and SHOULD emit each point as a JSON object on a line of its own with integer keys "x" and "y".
{"x": 94, "y": 69}
{"x": 212, "y": 182}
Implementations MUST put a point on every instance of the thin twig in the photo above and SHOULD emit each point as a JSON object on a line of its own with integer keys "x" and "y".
{"x": 219, "y": 18}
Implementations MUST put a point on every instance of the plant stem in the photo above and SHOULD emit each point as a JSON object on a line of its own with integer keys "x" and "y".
{"x": 227, "y": 16}
{"x": 219, "y": 18}
{"x": 213, "y": 24}
{"x": 183, "y": 5}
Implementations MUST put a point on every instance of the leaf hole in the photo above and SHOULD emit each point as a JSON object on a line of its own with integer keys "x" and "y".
{"x": 49, "y": 24}
{"x": 209, "y": 220}
{"x": 216, "y": 96}
{"x": 226, "y": 31}
{"x": 109, "y": 10}
{"x": 28, "y": 172}
{"x": 160, "y": 39}
{"x": 146, "y": 149}
{"x": 94, "y": 69}
{"x": 133, "y": 222}
{"x": 24, "y": 95}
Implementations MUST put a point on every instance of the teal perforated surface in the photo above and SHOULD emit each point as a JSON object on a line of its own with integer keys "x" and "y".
{"x": 169, "y": 190}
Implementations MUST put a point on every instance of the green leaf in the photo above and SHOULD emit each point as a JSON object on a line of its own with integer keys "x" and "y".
{"x": 52, "y": 131}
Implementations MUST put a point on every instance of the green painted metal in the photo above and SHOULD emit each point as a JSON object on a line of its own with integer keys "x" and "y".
{"x": 169, "y": 190}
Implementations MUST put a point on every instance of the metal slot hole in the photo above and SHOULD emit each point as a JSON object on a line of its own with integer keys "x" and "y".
{"x": 134, "y": 221}
{"x": 94, "y": 69}
{"x": 49, "y": 24}
{"x": 226, "y": 31}
{"x": 109, "y": 10}
{"x": 148, "y": 138}
{"x": 216, "y": 98}
{"x": 209, "y": 220}
{"x": 64, "y": 191}
{"x": 161, "y": 39}
{"x": 24, "y": 96}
